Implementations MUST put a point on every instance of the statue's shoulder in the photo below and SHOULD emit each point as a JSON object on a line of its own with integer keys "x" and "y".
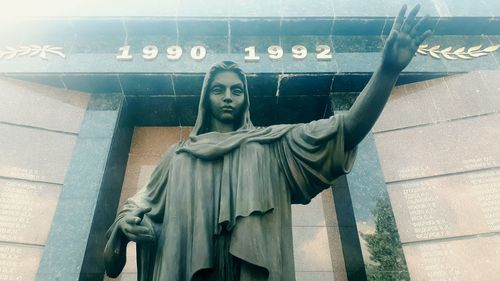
{"x": 168, "y": 155}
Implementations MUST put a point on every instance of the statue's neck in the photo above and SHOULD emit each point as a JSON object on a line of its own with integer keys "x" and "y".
{"x": 221, "y": 127}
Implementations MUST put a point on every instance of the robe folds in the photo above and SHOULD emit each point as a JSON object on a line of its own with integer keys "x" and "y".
{"x": 243, "y": 182}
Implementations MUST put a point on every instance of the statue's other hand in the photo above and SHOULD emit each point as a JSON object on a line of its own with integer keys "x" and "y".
{"x": 403, "y": 41}
{"x": 134, "y": 228}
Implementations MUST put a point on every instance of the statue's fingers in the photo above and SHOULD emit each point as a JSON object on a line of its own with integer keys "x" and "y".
{"x": 132, "y": 219}
{"x": 409, "y": 21}
{"x": 139, "y": 212}
{"x": 136, "y": 229}
{"x": 131, "y": 237}
{"x": 399, "y": 19}
{"x": 424, "y": 36}
{"x": 392, "y": 38}
{"x": 418, "y": 26}
{"x": 144, "y": 238}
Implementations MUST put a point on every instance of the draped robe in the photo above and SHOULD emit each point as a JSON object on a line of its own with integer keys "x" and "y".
{"x": 244, "y": 182}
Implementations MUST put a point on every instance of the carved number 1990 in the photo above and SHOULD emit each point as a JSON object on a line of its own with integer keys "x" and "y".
{"x": 198, "y": 53}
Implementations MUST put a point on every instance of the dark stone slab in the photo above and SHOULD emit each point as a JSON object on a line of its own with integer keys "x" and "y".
{"x": 90, "y": 83}
{"x": 351, "y": 26}
{"x": 146, "y": 84}
{"x": 187, "y": 110}
{"x": 263, "y": 110}
{"x": 89, "y": 197}
{"x": 153, "y": 111}
{"x": 188, "y": 84}
{"x": 310, "y": 108}
{"x": 255, "y": 27}
{"x": 341, "y": 101}
{"x": 260, "y": 85}
{"x": 370, "y": 221}
{"x": 350, "y": 44}
{"x": 305, "y": 85}
{"x": 467, "y": 25}
{"x": 203, "y": 27}
{"x": 307, "y": 26}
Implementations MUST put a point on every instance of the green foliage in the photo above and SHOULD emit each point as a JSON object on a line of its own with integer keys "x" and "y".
{"x": 386, "y": 253}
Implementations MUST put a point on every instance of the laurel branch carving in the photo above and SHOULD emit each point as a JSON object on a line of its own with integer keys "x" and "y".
{"x": 460, "y": 53}
{"x": 31, "y": 51}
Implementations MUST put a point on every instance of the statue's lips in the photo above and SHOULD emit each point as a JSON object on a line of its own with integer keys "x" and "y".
{"x": 227, "y": 108}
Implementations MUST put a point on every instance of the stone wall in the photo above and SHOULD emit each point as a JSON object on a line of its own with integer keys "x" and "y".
{"x": 39, "y": 126}
{"x": 438, "y": 147}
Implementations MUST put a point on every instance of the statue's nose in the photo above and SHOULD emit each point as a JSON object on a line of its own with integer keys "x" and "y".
{"x": 227, "y": 95}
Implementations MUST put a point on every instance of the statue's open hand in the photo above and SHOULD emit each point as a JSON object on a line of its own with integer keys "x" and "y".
{"x": 404, "y": 39}
{"x": 134, "y": 228}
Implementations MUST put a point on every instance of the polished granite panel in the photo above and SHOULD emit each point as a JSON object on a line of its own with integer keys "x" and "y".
{"x": 443, "y": 148}
{"x": 440, "y": 100}
{"x": 472, "y": 258}
{"x": 370, "y": 238}
{"x": 156, "y": 140}
{"x": 19, "y": 262}
{"x": 449, "y": 206}
{"x": 26, "y": 210}
{"x": 310, "y": 85}
{"x": 407, "y": 108}
{"x": 139, "y": 170}
{"x": 40, "y": 106}
{"x": 311, "y": 251}
{"x": 86, "y": 208}
{"x": 336, "y": 253}
{"x": 311, "y": 214}
{"x": 329, "y": 207}
{"x": 312, "y": 108}
{"x": 148, "y": 84}
{"x": 45, "y": 159}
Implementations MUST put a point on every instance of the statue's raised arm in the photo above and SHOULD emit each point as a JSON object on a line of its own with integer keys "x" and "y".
{"x": 403, "y": 41}
{"x": 217, "y": 206}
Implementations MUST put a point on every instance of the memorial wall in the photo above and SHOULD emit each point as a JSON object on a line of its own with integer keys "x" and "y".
{"x": 115, "y": 84}
{"x": 39, "y": 126}
{"x": 438, "y": 146}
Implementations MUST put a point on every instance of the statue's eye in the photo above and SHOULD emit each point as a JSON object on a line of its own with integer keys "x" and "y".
{"x": 237, "y": 91}
{"x": 216, "y": 90}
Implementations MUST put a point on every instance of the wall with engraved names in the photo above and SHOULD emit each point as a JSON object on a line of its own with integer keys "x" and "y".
{"x": 438, "y": 146}
{"x": 38, "y": 128}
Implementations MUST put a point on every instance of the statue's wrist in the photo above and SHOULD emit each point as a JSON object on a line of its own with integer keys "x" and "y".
{"x": 121, "y": 234}
{"x": 388, "y": 69}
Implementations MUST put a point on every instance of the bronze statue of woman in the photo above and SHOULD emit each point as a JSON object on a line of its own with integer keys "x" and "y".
{"x": 217, "y": 206}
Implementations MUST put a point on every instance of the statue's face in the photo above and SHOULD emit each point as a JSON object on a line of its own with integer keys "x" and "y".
{"x": 226, "y": 97}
